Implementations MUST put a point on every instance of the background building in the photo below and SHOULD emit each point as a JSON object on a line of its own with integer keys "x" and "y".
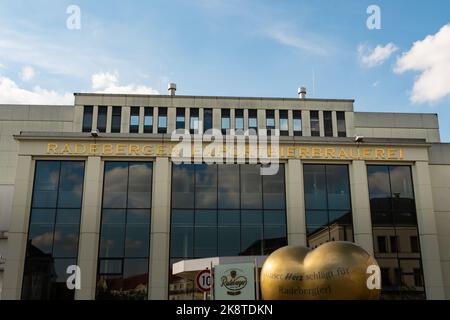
{"x": 113, "y": 202}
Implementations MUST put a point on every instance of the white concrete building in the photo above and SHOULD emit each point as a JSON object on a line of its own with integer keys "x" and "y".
{"x": 112, "y": 202}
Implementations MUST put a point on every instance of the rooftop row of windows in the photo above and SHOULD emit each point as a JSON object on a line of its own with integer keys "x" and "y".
{"x": 199, "y": 120}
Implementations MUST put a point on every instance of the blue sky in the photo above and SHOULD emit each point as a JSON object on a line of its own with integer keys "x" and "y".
{"x": 230, "y": 47}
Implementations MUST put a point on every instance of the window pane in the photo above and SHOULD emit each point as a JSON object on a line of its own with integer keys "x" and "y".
{"x": 207, "y": 119}
{"x": 182, "y": 241}
{"x": 338, "y": 187}
{"x": 71, "y": 185}
{"x": 228, "y": 180}
{"x": 205, "y": 241}
{"x": 273, "y": 187}
{"x": 137, "y": 240}
{"x": 87, "y": 118}
{"x": 315, "y": 187}
{"x": 46, "y": 184}
{"x": 116, "y": 119}
{"x": 229, "y": 240}
{"x": 183, "y": 186}
{"x": 328, "y": 123}
{"x": 251, "y": 187}
{"x": 42, "y": 216}
{"x": 101, "y": 120}
{"x": 315, "y": 126}
{"x": 135, "y": 279}
{"x": 140, "y": 185}
{"x": 115, "y": 185}
{"x": 112, "y": 240}
{"x": 66, "y": 240}
{"x": 206, "y": 186}
{"x": 251, "y": 240}
{"x": 41, "y": 240}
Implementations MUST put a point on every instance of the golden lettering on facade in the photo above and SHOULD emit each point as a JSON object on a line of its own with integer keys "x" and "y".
{"x": 247, "y": 151}
{"x": 120, "y": 149}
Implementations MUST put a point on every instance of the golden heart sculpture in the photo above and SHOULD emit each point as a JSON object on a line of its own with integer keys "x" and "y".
{"x": 333, "y": 271}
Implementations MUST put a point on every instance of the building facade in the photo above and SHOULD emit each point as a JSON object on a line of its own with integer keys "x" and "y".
{"x": 96, "y": 185}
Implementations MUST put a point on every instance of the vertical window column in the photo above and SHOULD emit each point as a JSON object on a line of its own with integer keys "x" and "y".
{"x": 88, "y": 113}
{"x": 54, "y": 230}
{"x": 225, "y": 121}
{"x": 180, "y": 119}
{"x": 125, "y": 231}
{"x": 116, "y": 119}
{"x": 327, "y": 204}
{"x": 102, "y": 118}
{"x": 148, "y": 120}
{"x": 162, "y": 120}
{"x": 207, "y": 119}
{"x": 194, "y": 121}
{"x": 341, "y": 127}
{"x": 394, "y": 224}
{"x": 253, "y": 120}
{"x": 297, "y": 120}
{"x": 239, "y": 120}
{"x": 134, "y": 120}
{"x": 284, "y": 123}
{"x": 315, "y": 124}
{"x": 328, "y": 123}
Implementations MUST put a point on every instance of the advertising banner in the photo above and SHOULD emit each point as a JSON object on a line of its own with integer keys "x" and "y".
{"x": 234, "y": 282}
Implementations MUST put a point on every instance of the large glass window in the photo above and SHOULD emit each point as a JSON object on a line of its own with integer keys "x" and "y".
{"x": 327, "y": 204}
{"x": 224, "y": 210}
{"x": 88, "y": 111}
{"x": 328, "y": 123}
{"x": 148, "y": 120}
{"x": 181, "y": 118}
{"x": 54, "y": 229}
{"x": 125, "y": 231}
{"x": 315, "y": 124}
{"x": 297, "y": 118}
{"x": 116, "y": 119}
{"x": 393, "y": 211}
{"x": 134, "y": 120}
{"x": 101, "y": 119}
{"x": 162, "y": 120}
{"x": 342, "y": 131}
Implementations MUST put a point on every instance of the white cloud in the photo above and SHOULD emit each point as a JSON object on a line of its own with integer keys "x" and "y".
{"x": 27, "y": 73}
{"x": 11, "y": 93}
{"x": 431, "y": 57}
{"x": 376, "y": 84}
{"x": 283, "y": 36}
{"x": 371, "y": 58}
{"x": 106, "y": 82}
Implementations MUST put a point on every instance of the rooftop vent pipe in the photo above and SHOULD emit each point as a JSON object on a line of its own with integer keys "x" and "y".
{"x": 172, "y": 88}
{"x": 302, "y": 92}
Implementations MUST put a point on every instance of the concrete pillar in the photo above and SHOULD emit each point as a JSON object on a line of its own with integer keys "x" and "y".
{"x": 232, "y": 119}
{"x": 90, "y": 228}
{"x": 108, "y": 119}
{"x": 306, "y": 123}
{"x": 350, "y": 124}
{"x": 160, "y": 230}
{"x": 362, "y": 220}
{"x": 295, "y": 203}
{"x": 261, "y": 120}
{"x": 426, "y": 220}
{"x": 277, "y": 119}
{"x": 291, "y": 122}
{"x": 334, "y": 123}
{"x": 245, "y": 119}
{"x": 155, "y": 120}
{"x": 125, "y": 120}
{"x": 321, "y": 124}
{"x": 94, "y": 118}
{"x": 141, "y": 119}
{"x": 217, "y": 119}
{"x": 171, "y": 115}
{"x": 18, "y": 232}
